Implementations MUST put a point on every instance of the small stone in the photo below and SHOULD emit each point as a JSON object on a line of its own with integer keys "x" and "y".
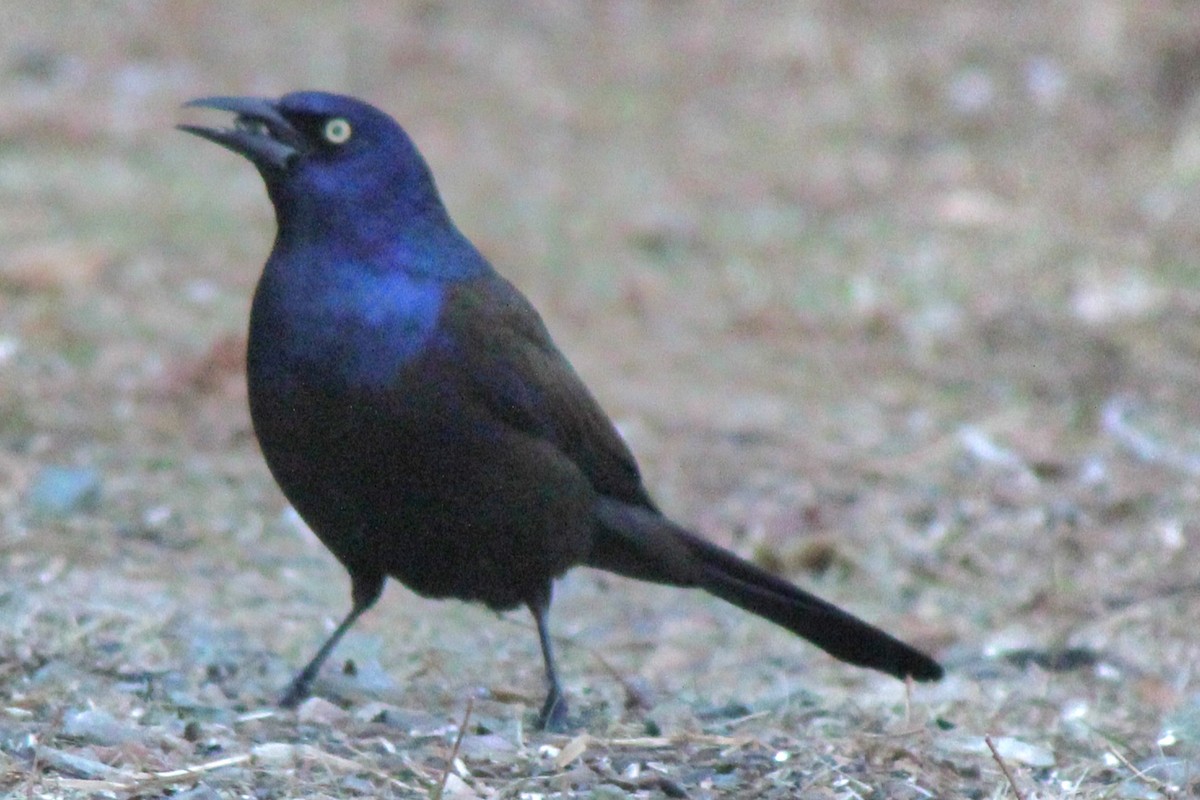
{"x": 1025, "y": 753}
{"x": 355, "y": 785}
{"x": 1137, "y": 790}
{"x": 200, "y": 791}
{"x": 274, "y": 754}
{"x": 98, "y": 727}
{"x": 457, "y": 787}
{"x": 320, "y": 711}
{"x": 606, "y": 791}
{"x": 488, "y": 746}
{"x": 403, "y": 719}
{"x": 1007, "y": 747}
{"x": 76, "y": 766}
{"x": 60, "y": 491}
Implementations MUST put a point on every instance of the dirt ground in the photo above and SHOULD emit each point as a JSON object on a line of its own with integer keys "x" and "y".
{"x": 900, "y": 300}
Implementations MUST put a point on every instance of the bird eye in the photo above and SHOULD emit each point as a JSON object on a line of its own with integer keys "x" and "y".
{"x": 337, "y": 131}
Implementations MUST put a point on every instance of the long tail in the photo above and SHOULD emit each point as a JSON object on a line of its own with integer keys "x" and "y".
{"x": 642, "y": 544}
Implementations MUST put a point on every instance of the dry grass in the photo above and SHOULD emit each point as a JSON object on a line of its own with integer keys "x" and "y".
{"x": 901, "y": 301}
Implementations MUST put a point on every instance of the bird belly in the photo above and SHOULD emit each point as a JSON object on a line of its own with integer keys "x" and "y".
{"x": 408, "y": 490}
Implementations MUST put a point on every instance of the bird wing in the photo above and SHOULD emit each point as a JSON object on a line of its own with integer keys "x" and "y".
{"x": 512, "y": 367}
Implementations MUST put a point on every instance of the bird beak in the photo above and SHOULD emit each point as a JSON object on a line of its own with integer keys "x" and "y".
{"x": 259, "y": 132}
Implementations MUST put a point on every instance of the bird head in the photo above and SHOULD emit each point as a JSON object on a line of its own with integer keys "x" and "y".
{"x": 325, "y": 156}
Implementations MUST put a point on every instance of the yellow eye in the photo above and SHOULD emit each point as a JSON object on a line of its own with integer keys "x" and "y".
{"x": 337, "y": 131}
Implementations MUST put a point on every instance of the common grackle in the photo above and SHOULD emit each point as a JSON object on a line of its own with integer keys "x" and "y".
{"x": 414, "y": 410}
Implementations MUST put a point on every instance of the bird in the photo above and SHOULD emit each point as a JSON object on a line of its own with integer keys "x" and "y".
{"x": 414, "y": 410}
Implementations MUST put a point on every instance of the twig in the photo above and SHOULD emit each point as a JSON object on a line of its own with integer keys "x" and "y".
{"x": 121, "y": 782}
{"x": 1114, "y": 420}
{"x": 1004, "y": 768}
{"x": 1140, "y": 775}
{"x": 35, "y": 766}
{"x": 1118, "y": 602}
{"x": 664, "y": 742}
{"x": 462, "y": 730}
{"x": 194, "y": 771}
{"x": 984, "y": 450}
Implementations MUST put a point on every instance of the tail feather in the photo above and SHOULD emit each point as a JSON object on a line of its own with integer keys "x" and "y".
{"x": 644, "y": 545}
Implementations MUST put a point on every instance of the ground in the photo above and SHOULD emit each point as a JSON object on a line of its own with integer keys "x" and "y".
{"x": 900, "y": 300}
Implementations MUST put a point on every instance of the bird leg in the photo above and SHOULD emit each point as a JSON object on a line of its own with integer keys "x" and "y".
{"x": 553, "y": 716}
{"x": 364, "y": 593}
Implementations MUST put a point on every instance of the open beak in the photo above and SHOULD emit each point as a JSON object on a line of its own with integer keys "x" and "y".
{"x": 259, "y": 132}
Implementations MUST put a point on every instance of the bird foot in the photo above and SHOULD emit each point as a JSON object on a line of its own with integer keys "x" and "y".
{"x": 297, "y": 692}
{"x": 553, "y": 716}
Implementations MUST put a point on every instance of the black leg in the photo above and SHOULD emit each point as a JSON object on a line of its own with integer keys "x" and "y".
{"x": 364, "y": 592}
{"x": 553, "y": 716}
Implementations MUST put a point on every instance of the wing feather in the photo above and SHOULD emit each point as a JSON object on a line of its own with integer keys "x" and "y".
{"x": 512, "y": 367}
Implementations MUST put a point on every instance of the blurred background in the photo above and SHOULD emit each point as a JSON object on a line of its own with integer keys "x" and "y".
{"x": 901, "y": 300}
